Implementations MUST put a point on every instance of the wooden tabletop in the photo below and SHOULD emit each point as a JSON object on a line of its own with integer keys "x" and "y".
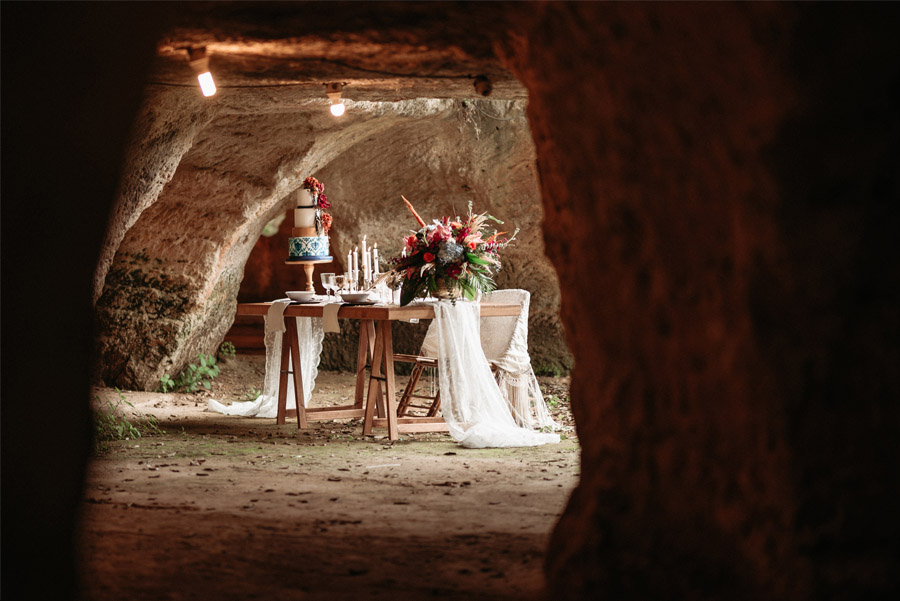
{"x": 377, "y": 312}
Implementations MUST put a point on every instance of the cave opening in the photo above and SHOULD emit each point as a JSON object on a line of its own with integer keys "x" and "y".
{"x": 204, "y": 179}
{"x": 727, "y": 175}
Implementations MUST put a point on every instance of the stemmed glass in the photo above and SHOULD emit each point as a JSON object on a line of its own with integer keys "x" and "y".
{"x": 328, "y": 283}
{"x": 340, "y": 282}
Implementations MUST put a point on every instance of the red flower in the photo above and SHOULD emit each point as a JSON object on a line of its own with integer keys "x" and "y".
{"x": 326, "y": 222}
{"x": 428, "y": 257}
{"x": 323, "y": 201}
{"x": 472, "y": 245}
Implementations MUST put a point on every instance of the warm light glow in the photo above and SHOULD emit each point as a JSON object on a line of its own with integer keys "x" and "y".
{"x": 207, "y": 85}
{"x": 337, "y": 109}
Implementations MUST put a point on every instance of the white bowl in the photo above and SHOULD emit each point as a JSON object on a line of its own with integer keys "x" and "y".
{"x": 355, "y": 297}
{"x": 302, "y": 296}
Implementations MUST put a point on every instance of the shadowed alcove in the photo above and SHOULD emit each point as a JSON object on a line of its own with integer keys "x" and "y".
{"x": 718, "y": 191}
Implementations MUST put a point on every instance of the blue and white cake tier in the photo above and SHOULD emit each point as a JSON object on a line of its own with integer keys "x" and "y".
{"x": 308, "y": 248}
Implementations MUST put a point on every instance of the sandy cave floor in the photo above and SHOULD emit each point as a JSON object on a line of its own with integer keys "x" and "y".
{"x": 224, "y": 507}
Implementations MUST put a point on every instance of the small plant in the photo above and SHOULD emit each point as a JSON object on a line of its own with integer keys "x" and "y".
{"x": 251, "y": 394}
{"x": 193, "y": 376}
{"x": 110, "y": 423}
{"x": 166, "y": 383}
{"x": 227, "y": 350}
{"x": 552, "y": 401}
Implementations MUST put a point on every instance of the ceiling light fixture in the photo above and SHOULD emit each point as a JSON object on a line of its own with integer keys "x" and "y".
{"x": 333, "y": 90}
{"x": 199, "y": 62}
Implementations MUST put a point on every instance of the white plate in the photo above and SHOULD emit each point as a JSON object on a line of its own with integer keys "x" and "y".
{"x": 355, "y": 297}
{"x": 300, "y": 296}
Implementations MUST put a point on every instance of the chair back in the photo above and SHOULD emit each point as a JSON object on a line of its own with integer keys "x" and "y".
{"x": 497, "y": 333}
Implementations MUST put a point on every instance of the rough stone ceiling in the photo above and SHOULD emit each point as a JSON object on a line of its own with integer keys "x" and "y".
{"x": 296, "y": 47}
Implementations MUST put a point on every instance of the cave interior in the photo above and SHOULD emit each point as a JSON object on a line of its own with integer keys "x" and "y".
{"x": 725, "y": 173}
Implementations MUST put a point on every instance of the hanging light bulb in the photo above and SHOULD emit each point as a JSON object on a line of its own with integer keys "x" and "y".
{"x": 199, "y": 62}
{"x": 333, "y": 90}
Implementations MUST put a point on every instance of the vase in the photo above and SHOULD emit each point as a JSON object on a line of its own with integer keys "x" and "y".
{"x": 447, "y": 291}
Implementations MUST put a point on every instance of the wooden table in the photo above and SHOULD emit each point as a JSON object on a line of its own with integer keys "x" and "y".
{"x": 375, "y": 350}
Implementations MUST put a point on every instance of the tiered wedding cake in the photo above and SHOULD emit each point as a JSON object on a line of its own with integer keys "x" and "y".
{"x": 309, "y": 236}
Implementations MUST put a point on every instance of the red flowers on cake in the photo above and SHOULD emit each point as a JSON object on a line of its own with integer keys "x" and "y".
{"x": 325, "y": 219}
{"x": 313, "y": 185}
{"x": 317, "y": 191}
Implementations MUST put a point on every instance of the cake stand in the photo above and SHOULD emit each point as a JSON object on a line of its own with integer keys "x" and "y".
{"x": 309, "y": 265}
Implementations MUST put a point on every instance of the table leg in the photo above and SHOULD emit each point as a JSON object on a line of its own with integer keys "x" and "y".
{"x": 370, "y": 332}
{"x": 375, "y": 378}
{"x": 390, "y": 400}
{"x": 298, "y": 374}
{"x": 283, "y": 379}
{"x": 363, "y": 357}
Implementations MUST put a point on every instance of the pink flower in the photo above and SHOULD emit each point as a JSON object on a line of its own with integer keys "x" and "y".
{"x": 440, "y": 233}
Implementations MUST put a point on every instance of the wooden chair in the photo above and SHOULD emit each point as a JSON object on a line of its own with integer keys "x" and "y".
{"x": 421, "y": 363}
{"x": 496, "y": 337}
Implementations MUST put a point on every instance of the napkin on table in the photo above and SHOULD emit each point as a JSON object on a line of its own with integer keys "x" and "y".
{"x": 329, "y": 317}
{"x": 275, "y": 315}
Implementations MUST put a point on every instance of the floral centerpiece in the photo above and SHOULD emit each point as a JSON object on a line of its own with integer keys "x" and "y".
{"x": 317, "y": 191}
{"x": 449, "y": 258}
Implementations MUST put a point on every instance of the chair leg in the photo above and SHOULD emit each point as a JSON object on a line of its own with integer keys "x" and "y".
{"x": 406, "y": 398}
{"x": 435, "y": 406}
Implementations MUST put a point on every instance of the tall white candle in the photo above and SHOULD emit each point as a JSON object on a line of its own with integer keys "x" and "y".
{"x": 375, "y": 257}
{"x": 364, "y": 251}
{"x": 368, "y": 260}
{"x": 355, "y": 264}
{"x": 350, "y": 262}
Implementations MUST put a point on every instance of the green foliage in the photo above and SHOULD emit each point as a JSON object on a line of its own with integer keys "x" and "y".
{"x": 111, "y": 424}
{"x": 251, "y": 394}
{"x": 552, "y": 401}
{"x": 227, "y": 350}
{"x": 166, "y": 383}
{"x": 193, "y": 376}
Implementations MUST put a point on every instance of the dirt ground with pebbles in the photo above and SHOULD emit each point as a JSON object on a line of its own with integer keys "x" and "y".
{"x": 222, "y": 507}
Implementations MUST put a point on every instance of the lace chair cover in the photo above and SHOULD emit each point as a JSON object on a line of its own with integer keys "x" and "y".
{"x": 477, "y": 414}
{"x": 310, "y": 334}
{"x": 504, "y": 341}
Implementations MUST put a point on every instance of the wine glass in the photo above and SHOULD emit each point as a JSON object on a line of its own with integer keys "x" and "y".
{"x": 328, "y": 283}
{"x": 341, "y": 281}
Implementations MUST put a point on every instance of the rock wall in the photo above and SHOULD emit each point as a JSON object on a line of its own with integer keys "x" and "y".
{"x": 728, "y": 174}
{"x": 163, "y": 132}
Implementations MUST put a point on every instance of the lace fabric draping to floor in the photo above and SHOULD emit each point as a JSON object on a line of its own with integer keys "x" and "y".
{"x": 472, "y": 402}
{"x": 310, "y": 334}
